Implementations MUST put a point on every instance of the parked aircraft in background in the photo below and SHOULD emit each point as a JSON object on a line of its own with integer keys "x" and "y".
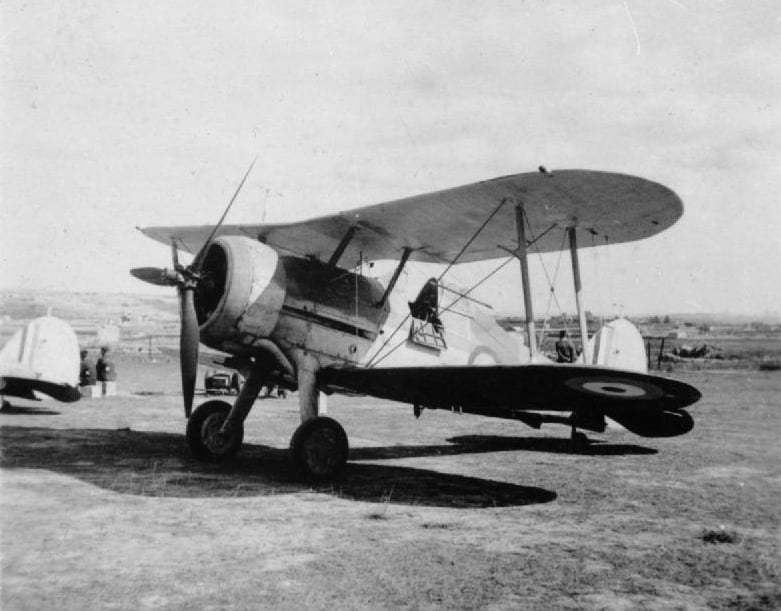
{"x": 291, "y": 306}
{"x": 41, "y": 357}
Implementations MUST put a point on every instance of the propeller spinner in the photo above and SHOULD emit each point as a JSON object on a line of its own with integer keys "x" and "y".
{"x": 186, "y": 280}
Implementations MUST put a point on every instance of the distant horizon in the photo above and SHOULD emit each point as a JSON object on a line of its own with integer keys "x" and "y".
{"x": 775, "y": 317}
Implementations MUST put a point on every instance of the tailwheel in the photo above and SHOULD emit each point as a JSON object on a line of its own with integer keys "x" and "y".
{"x": 319, "y": 448}
{"x": 204, "y": 434}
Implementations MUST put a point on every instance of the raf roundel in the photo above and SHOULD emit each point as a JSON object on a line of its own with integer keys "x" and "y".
{"x": 616, "y": 388}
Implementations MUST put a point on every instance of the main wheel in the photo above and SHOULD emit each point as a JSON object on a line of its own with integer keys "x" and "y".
{"x": 319, "y": 448}
{"x": 204, "y": 435}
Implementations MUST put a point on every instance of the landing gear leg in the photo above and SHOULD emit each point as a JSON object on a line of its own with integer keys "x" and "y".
{"x": 308, "y": 394}
{"x": 579, "y": 439}
{"x": 215, "y": 430}
{"x": 246, "y": 399}
{"x": 319, "y": 446}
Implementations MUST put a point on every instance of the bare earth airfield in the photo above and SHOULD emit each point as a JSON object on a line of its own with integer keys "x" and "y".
{"x": 102, "y": 507}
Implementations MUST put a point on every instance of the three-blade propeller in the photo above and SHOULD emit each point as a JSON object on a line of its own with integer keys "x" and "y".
{"x": 186, "y": 279}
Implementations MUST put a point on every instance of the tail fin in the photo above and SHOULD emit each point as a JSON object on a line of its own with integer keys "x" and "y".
{"x": 618, "y": 344}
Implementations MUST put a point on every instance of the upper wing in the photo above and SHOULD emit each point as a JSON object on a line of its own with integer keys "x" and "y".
{"x": 641, "y": 402}
{"x": 615, "y": 207}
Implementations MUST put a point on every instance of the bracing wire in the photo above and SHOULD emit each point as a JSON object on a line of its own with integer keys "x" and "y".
{"x": 597, "y": 276}
{"x": 472, "y": 239}
{"x": 552, "y": 295}
{"x": 375, "y": 360}
{"x": 609, "y": 274}
{"x": 551, "y": 284}
{"x": 486, "y": 277}
{"x": 450, "y": 305}
{"x": 359, "y": 272}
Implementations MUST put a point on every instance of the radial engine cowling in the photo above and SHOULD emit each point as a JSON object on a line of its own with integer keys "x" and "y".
{"x": 240, "y": 294}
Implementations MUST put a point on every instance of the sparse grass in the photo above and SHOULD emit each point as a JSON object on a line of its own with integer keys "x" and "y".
{"x": 770, "y": 364}
{"x": 443, "y": 512}
{"x": 720, "y": 536}
{"x": 385, "y": 500}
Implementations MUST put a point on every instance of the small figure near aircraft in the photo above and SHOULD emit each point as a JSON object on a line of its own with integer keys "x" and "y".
{"x": 41, "y": 357}
{"x": 87, "y": 372}
{"x": 565, "y": 351}
{"x": 290, "y": 305}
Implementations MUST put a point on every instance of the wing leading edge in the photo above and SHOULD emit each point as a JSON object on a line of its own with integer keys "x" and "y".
{"x": 435, "y": 226}
{"x": 647, "y": 405}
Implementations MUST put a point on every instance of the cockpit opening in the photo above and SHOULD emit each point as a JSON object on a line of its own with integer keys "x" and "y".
{"x": 427, "y": 329}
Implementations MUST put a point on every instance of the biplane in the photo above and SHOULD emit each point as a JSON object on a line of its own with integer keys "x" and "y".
{"x": 290, "y": 306}
{"x": 41, "y": 357}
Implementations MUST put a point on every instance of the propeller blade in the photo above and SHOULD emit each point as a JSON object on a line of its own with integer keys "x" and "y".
{"x": 198, "y": 260}
{"x": 186, "y": 279}
{"x": 154, "y": 275}
{"x": 188, "y": 346}
{"x": 174, "y": 255}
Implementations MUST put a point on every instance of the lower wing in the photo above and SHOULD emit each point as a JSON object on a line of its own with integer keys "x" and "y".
{"x": 650, "y": 406}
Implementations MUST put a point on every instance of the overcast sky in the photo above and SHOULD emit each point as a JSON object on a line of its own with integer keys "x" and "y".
{"x": 145, "y": 113}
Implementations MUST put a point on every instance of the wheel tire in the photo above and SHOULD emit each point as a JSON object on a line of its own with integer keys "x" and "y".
{"x": 319, "y": 448}
{"x": 203, "y": 433}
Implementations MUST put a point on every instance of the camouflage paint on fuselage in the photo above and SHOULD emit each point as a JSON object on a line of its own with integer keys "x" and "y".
{"x": 336, "y": 315}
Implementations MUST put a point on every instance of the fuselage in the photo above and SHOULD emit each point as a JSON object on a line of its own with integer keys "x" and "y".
{"x": 256, "y": 294}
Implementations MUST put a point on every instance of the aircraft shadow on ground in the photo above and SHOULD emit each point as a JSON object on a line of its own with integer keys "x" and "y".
{"x": 28, "y": 410}
{"x": 158, "y": 464}
{"x": 475, "y": 444}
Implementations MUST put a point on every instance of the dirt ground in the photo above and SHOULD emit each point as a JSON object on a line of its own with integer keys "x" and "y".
{"x": 103, "y": 508}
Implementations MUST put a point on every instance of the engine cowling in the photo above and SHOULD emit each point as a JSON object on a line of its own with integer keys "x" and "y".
{"x": 240, "y": 293}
